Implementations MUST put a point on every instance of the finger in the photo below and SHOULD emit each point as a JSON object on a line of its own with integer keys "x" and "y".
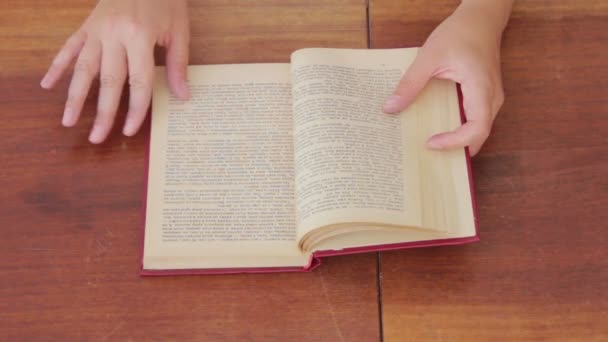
{"x": 472, "y": 134}
{"x": 478, "y": 109}
{"x": 85, "y": 70}
{"x": 141, "y": 76}
{"x": 177, "y": 61}
{"x": 410, "y": 85}
{"x": 62, "y": 60}
{"x": 111, "y": 79}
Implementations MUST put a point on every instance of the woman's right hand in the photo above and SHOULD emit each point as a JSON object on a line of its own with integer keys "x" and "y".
{"x": 117, "y": 42}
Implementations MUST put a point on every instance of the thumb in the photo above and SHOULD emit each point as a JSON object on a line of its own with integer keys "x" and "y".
{"x": 177, "y": 62}
{"x": 410, "y": 85}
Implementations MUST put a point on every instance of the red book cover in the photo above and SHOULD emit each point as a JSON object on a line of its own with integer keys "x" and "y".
{"x": 316, "y": 258}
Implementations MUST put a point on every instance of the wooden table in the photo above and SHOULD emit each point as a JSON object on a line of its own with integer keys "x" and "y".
{"x": 71, "y": 211}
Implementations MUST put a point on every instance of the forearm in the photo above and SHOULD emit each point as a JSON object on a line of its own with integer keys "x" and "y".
{"x": 497, "y": 12}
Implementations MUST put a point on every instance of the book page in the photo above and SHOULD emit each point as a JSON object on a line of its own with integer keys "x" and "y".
{"x": 355, "y": 164}
{"x": 349, "y": 155}
{"x": 221, "y": 170}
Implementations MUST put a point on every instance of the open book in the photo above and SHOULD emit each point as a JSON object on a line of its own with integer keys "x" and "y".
{"x": 269, "y": 167}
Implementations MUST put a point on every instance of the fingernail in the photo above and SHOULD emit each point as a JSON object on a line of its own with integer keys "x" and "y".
{"x": 129, "y": 129}
{"x": 68, "y": 117}
{"x": 184, "y": 91}
{"x": 392, "y": 104}
{"x": 433, "y": 143}
{"x": 96, "y": 135}
{"x": 45, "y": 83}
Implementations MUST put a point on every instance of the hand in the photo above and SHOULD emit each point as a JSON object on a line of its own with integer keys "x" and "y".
{"x": 465, "y": 48}
{"x": 117, "y": 40}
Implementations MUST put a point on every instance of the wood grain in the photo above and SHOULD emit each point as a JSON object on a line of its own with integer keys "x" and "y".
{"x": 540, "y": 271}
{"x": 71, "y": 211}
